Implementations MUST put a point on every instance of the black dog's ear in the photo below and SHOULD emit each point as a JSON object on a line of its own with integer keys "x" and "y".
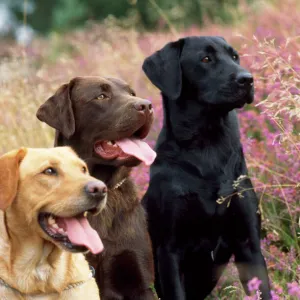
{"x": 164, "y": 70}
{"x": 220, "y": 37}
{"x": 57, "y": 111}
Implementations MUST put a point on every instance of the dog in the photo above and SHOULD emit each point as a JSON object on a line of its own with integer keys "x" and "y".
{"x": 104, "y": 121}
{"x": 45, "y": 195}
{"x": 200, "y": 203}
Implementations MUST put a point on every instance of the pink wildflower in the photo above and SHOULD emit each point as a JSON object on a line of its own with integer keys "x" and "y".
{"x": 253, "y": 284}
{"x": 294, "y": 289}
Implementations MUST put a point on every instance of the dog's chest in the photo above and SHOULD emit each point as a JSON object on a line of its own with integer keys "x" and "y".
{"x": 210, "y": 164}
{"x": 203, "y": 180}
{"x": 43, "y": 272}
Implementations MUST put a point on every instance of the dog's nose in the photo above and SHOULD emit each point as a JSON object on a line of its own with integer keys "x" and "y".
{"x": 244, "y": 79}
{"x": 96, "y": 189}
{"x": 143, "y": 105}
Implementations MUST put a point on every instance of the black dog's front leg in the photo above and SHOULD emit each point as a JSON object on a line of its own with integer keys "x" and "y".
{"x": 250, "y": 264}
{"x": 246, "y": 222}
{"x": 247, "y": 250}
{"x": 169, "y": 274}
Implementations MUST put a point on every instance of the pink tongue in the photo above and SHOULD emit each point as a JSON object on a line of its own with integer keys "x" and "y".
{"x": 137, "y": 148}
{"x": 81, "y": 233}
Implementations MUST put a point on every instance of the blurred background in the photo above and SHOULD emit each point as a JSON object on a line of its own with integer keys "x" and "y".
{"x": 45, "y": 16}
{"x": 44, "y": 44}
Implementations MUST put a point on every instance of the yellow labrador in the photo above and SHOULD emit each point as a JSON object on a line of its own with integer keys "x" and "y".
{"x": 45, "y": 195}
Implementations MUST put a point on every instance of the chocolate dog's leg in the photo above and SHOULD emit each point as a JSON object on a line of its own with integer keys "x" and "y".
{"x": 169, "y": 271}
{"x": 144, "y": 295}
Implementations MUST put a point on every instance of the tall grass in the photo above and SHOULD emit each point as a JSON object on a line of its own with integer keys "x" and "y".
{"x": 270, "y": 46}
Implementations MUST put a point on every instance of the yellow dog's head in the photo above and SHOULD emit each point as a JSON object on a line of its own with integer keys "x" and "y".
{"x": 48, "y": 192}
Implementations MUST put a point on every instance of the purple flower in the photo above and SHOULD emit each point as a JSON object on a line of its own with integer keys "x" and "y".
{"x": 253, "y": 284}
{"x": 294, "y": 289}
{"x": 294, "y": 91}
{"x": 274, "y": 296}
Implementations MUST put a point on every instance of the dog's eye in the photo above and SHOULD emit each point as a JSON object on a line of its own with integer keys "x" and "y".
{"x": 132, "y": 94}
{"x": 84, "y": 170}
{"x": 50, "y": 171}
{"x": 235, "y": 57}
{"x": 206, "y": 59}
{"x": 101, "y": 97}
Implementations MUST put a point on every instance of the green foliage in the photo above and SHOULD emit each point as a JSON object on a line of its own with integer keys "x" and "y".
{"x": 185, "y": 13}
{"x": 63, "y": 15}
{"x": 69, "y": 13}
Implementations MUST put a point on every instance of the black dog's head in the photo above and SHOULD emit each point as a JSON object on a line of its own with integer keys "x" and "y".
{"x": 205, "y": 69}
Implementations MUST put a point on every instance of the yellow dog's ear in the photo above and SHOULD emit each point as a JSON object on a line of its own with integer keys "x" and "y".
{"x": 9, "y": 176}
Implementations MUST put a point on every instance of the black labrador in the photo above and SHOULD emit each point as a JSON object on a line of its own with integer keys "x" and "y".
{"x": 201, "y": 205}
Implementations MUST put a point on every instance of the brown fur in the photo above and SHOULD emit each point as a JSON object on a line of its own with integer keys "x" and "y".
{"x": 31, "y": 261}
{"x": 124, "y": 271}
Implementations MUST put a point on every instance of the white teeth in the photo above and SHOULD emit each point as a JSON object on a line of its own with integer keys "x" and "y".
{"x": 54, "y": 228}
{"x": 61, "y": 231}
{"x": 51, "y": 220}
{"x": 112, "y": 143}
{"x": 85, "y": 214}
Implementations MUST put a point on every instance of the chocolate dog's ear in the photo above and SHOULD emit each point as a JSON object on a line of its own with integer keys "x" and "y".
{"x": 164, "y": 70}
{"x": 57, "y": 111}
{"x": 9, "y": 176}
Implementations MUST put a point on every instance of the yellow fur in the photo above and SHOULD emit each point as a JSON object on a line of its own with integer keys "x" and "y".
{"x": 29, "y": 260}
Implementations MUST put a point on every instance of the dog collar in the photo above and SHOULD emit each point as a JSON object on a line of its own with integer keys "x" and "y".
{"x": 69, "y": 287}
{"x": 119, "y": 184}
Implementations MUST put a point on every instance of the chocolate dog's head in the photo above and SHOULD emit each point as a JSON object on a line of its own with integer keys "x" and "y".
{"x": 102, "y": 119}
{"x": 206, "y": 69}
{"x": 46, "y": 194}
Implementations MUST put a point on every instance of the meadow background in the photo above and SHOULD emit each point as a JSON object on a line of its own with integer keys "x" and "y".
{"x": 70, "y": 41}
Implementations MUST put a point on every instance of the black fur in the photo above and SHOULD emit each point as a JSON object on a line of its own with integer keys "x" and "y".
{"x": 199, "y": 157}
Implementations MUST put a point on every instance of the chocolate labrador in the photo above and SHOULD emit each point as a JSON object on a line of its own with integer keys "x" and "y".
{"x": 201, "y": 205}
{"x": 105, "y": 123}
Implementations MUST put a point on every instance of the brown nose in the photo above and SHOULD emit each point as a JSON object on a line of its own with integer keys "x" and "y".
{"x": 143, "y": 105}
{"x": 96, "y": 189}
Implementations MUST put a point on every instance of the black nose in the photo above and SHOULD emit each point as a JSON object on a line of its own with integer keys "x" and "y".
{"x": 244, "y": 79}
{"x": 143, "y": 105}
{"x": 96, "y": 189}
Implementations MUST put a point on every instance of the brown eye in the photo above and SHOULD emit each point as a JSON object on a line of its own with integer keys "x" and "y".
{"x": 206, "y": 59}
{"x": 132, "y": 94}
{"x": 101, "y": 97}
{"x": 50, "y": 171}
{"x": 84, "y": 170}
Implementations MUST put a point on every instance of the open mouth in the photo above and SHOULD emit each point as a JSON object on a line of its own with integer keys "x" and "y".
{"x": 75, "y": 234}
{"x": 128, "y": 147}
